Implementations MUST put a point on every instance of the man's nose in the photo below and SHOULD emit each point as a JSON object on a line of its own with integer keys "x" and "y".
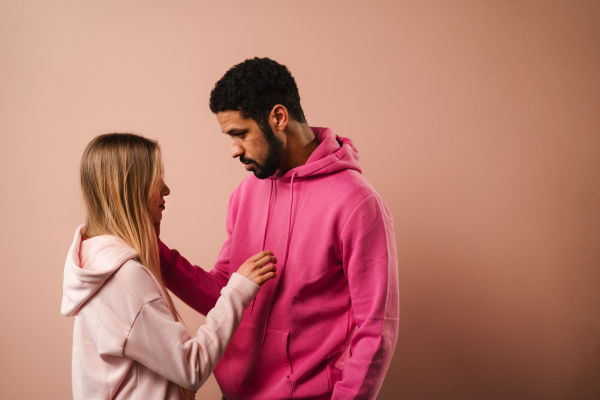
{"x": 236, "y": 149}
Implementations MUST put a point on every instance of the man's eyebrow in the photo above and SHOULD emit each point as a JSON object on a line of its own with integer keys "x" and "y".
{"x": 235, "y": 131}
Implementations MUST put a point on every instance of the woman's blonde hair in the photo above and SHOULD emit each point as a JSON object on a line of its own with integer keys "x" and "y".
{"x": 119, "y": 174}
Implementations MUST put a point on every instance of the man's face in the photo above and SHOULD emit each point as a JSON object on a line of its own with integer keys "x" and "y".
{"x": 260, "y": 151}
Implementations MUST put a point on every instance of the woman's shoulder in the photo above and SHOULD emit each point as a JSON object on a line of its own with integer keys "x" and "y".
{"x": 138, "y": 281}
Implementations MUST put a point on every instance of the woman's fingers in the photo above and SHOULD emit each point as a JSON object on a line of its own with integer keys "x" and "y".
{"x": 265, "y": 277}
{"x": 260, "y": 267}
{"x": 266, "y": 269}
{"x": 260, "y": 255}
{"x": 266, "y": 259}
{"x": 262, "y": 270}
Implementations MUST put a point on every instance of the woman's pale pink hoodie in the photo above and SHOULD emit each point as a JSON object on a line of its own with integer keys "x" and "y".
{"x": 126, "y": 343}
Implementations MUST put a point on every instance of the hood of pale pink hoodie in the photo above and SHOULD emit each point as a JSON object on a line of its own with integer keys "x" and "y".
{"x": 89, "y": 264}
{"x": 334, "y": 153}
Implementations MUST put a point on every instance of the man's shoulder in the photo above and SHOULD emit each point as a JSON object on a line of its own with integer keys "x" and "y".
{"x": 350, "y": 184}
{"x": 352, "y": 191}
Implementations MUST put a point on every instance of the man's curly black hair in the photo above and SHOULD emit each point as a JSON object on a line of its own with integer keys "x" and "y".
{"x": 254, "y": 87}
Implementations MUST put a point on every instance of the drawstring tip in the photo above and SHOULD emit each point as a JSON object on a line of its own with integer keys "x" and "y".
{"x": 264, "y": 335}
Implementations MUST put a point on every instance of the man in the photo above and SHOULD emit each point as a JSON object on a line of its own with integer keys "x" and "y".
{"x": 327, "y": 326}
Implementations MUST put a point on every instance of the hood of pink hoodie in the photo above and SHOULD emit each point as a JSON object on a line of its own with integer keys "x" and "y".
{"x": 334, "y": 153}
{"x": 89, "y": 264}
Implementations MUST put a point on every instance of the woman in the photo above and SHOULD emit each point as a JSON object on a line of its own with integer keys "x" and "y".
{"x": 127, "y": 341}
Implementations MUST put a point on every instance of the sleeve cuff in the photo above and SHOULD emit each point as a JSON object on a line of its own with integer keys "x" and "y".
{"x": 245, "y": 287}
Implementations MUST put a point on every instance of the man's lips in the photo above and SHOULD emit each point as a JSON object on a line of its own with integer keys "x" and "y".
{"x": 249, "y": 165}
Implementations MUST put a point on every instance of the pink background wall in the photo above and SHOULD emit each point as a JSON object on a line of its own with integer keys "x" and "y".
{"x": 478, "y": 122}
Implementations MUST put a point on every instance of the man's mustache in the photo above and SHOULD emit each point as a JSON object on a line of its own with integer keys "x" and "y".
{"x": 245, "y": 160}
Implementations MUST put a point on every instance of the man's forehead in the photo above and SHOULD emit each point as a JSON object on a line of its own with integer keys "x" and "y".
{"x": 233, "y": 120}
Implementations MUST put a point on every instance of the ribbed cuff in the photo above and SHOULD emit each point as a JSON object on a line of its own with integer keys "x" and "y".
{"x": 245, "y": 287}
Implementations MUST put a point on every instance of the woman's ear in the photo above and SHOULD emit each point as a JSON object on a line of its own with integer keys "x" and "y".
{"x": 279, "y": 118}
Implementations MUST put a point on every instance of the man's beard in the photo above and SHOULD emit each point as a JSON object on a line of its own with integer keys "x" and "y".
{"x": 273, "y": 158}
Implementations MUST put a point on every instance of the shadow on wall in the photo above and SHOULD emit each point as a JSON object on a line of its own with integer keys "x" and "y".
{"x": 475, "y": 328}
{"x": 389, "y": 389}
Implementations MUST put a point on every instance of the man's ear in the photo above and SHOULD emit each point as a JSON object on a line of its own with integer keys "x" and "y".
{"x": 279, "y": 118}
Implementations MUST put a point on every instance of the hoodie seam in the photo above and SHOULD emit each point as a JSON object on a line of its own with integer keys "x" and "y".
{"x": 316, "y": 171}
{"x": 127, "y": 286}
{"x": 339, "y": 155}
{"x": 358, "y": 205}
{"x": 133, "y": 295}
{"x": 135, "y": 320}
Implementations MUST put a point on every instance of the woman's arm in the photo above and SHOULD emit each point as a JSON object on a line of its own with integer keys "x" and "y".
{"x": 164, "y": 345}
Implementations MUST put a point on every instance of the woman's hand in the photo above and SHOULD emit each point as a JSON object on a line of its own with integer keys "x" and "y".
{"x": 259, "y": 268}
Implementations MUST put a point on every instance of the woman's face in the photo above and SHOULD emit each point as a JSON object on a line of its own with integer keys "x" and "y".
{"x": 156, "y": 203}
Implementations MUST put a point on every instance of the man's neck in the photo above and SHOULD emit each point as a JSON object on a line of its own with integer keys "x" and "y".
{"x": 301, "y": 142}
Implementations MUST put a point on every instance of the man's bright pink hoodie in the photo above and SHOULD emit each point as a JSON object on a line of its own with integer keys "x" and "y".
{"x": 327, "y": 326}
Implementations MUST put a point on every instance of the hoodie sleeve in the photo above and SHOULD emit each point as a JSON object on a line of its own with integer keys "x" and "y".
{"x": 164, "y": 345}
{"x": 192, "y": 284}
{"x": 371, "y": 266}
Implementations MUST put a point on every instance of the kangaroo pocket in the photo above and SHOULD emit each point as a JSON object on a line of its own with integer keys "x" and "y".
{"x": 252, "y": 370}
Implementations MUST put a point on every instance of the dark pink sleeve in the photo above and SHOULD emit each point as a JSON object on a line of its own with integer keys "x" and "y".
{"x": 196, "y": 287}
